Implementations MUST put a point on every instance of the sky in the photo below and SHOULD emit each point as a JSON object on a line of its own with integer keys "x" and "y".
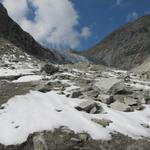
{"x": 75, "y": 24}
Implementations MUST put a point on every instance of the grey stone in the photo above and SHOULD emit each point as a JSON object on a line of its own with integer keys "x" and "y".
{"x": 84, "y": 136}
{"x": 65, "y": 129}
{"x": 130, "y": 101}
{"x": 76, "y": 94}
{"x": 106, "y": 83}
{"x": 89, "y": 106}
{"x": 120, "y": 88}
{"x": 92, "y": 94}
{"x": 49, "y": 69}
{"x": 39, "y": 142}
{"x": 138, "y": 107}
{"x": 45, "y": 89}
{"x": 125, "y": 99}
{"x": 93, "y": 110}
{"x": 107, "y": 99}
{"x": 120, "y": 106}
{"x": 102, "y": 122}
{"x": 76, "y": 140}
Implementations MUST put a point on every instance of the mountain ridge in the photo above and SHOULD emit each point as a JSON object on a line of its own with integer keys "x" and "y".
{"x": 13, "y": 33}
{"x": 125, "y": 48}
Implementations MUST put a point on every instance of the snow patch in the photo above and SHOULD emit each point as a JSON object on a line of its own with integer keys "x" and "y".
{"x": 37, "y": 111}
{"x": 13, "y": 72}
{"x": 28, "y": 78}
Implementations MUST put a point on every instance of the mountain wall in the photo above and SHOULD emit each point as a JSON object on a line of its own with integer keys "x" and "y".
{"x": 125, "y": 48}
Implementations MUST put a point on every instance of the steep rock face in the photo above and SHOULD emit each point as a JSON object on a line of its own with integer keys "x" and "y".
{"x": 125, "y": 48}
{"x": 14, "y": 35}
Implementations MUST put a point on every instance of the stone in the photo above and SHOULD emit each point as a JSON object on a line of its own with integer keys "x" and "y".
{"x": 119, "y": 98}
{"x": 76, "y": 140}
{"x": 147, "y": 97}
{"x": 138, "y": 107}
{"x": 87, "y": 89}
{"x": 49, "y": 69}
{"x": 93, "y": 110}
{"x": 105, "y": 99}
{"x": 125, "y": 99}
{"x": 106, "y": 83}
{"x": 84, "y": 136}
{"x": 120, "y": 88}
{"x": 120, "y": 106}
{"x": 45, "y": 89}
{"x": 92, "y": 94}
{"x": 84, "y": 81}
{"x": 39, "y": 142}
{"x": 130, "y": 101}
{"x": 89, "y": 106}
{"x": 76, "y": 94}
{"x": 143, "y": 101}
{"x": 102, "y": 122}
{"x": 65, "y": 129}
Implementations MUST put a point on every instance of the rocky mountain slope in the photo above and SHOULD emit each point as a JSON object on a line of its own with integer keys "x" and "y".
{"x": 125, "y": 48}
{"x": 15, "y": 36}
{"x": 11, "y": 34}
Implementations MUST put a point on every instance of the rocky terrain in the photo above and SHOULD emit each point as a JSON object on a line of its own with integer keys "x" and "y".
{"x": 80, "y": 106}
{"x": 125, "y": 48}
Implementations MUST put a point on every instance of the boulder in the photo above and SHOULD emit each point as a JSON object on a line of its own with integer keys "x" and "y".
{"x": 76, "y": 94}
{"x": 130, "y": 101}
{"x": 92, "y": 94}
{"x": 147, "y": 97}
{"x": 107, "y": 99}
{"x": 102, "y": 122}
{"x": 90, "y": 107}
{"x": 45, "y": 89}
{"x": 106, "y": 83}
{"x": 39, "y": 142}
{"x": 49, "y": 69}
{"x": 120, "y": 106}
{"x": 138, "y": 107}
{"x": 120, "y": 88}
{"x": 125, "y": 99}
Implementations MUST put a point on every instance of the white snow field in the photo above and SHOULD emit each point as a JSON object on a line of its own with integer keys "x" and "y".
{"x": 37, "y": 111}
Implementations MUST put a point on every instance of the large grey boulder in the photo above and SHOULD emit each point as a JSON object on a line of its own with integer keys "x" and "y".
{"x": 120, "y": 106}
{"x": 49, "y": 69}
{"x": 106, "y": 99}
{"x": 90, "y": 107}
{"x": 130, "y": 101}
{"x": 106, "y": 83}
{"x": 76, "y": 94}
{"x": 39, "y": 142}
{"x": 125, "y": 99}
{"x": 120, "y": 88}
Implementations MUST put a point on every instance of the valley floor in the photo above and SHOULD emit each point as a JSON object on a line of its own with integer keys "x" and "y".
{"x": 80, "y": 106}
